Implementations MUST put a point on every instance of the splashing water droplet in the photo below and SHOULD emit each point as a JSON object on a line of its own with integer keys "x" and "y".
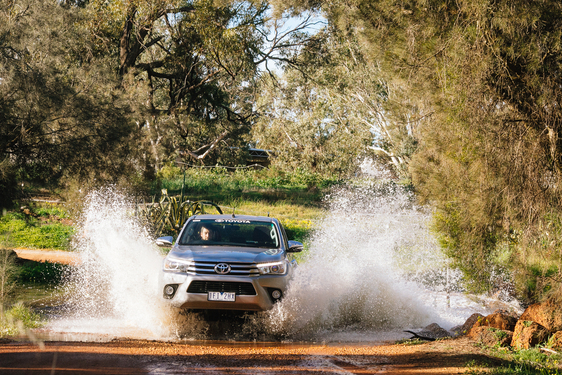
{"x": 114, "y": 289}
{"x": 372, "y": 266}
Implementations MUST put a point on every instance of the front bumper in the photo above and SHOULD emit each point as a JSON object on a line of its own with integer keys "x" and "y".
{"x": 260, "y": 301}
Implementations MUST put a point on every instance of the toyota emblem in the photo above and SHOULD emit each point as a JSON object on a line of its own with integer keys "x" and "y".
{"x": 222, "y": 268}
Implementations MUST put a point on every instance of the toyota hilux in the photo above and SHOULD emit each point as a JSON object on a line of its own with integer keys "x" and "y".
{"x": 227, "y": 262}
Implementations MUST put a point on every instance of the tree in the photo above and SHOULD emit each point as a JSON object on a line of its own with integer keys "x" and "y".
{"x": 190, "y": 67}
{"x": 57, "y": 117}
{"x": 329, "y": 108}
{"x": 8, "y": 274}
{"x": 482, "y": 80}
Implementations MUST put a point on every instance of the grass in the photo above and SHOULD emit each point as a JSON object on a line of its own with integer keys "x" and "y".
{"x": 526, "y": 361}
{"x": 222, "y": 185}
{"x": 408, "y": 342}
{"x": 17, "y": 319}
{"x": 37, "y": 230}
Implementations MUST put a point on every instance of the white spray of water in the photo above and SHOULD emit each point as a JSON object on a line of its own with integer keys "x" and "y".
{"x": 372, "y": 266}
{"x": 114, "y": 290}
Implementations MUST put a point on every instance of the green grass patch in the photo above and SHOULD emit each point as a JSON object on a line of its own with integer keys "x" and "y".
{"x": 415, "y": 341}
{"x": 19, "y": 230}
{"x": 526, "y": 361}
{"x": 17, "y": 319}
{"x": 224, "y": 185}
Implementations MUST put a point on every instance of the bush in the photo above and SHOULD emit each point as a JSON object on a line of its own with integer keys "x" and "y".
{"x": 17, "y": 319}
{"x": 19, "y": 230}
{"x": 42, "y": 272}
{"x": 297, "y": 230}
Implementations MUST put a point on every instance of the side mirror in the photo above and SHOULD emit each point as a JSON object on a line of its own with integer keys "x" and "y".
{"x": 166, "y": 241}
{"x": 294, "y": 247}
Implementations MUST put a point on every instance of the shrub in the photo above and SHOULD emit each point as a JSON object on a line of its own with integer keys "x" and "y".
{"x": 17, "y": 319}
{"x": 42, "y": 272}
{"x": 22, "y": 231}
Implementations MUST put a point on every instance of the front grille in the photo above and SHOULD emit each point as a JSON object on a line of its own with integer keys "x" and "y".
{"x": 241, "y": 289}
{"x": 236, "y": 268}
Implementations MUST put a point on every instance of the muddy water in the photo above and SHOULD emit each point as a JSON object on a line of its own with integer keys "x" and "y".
{"x": 373, "y": 269}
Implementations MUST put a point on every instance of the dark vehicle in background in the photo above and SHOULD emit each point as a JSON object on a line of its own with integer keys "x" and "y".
{"x": 227, "y": 262}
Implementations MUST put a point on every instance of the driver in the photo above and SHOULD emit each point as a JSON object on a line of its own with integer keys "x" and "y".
{"x": 206, "y": 233}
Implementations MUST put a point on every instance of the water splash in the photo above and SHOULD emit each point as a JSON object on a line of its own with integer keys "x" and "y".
{"x": 114, "y": 290}
{"x": 353, "y": 276}
{"x": 372, "y": 267}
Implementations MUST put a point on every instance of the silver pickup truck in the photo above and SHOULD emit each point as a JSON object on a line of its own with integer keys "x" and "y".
{"x": 227, "y": 262}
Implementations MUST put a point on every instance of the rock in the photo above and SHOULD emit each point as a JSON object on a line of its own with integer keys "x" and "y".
{"x": 507, "y": 312}
{"x": 497, "y": 320}
{"x": 434, "y": 331}
{"x": 490, "y": 336}
{"x": 528, "y": 334}
{"x": 457, "y": 331}
{"x": 555, "y": 340}
{"x": 548, "y": 314}
{"x": 463, "y": 330}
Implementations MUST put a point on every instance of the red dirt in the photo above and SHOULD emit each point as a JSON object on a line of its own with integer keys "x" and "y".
{"x": 54, "y": 256}
{"x": 156, "y": 357}
{"x": 141, "y": 356}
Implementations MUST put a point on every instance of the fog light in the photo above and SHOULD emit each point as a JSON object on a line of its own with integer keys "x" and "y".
{"x": 170, "y": 290}
{"x": 276, "y": 294}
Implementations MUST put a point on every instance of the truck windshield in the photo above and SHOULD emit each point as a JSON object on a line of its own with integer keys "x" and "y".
{"x": 231, "y": 232}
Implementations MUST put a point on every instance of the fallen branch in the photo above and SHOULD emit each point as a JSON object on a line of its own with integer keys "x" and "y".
{"x": 416, "y": 336}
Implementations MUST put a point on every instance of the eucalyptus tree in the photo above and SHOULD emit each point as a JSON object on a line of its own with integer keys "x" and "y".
{"x": 329, "y": 108}
{"x": 482, "y": 81}
{"x": 190, "y": 68}
{"x": 303, "y": 117}
{"x": 57, "y": 118}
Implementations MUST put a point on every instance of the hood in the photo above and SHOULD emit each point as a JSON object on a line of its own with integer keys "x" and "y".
{"x": 226, "y": 254}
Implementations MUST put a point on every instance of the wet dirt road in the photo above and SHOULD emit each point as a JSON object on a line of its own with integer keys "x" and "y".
{"x": 123, "y": 356}
{"x": 157, "y": 357}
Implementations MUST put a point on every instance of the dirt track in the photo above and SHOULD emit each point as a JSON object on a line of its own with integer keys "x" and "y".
{"x": 153, "y": 357}
{"x": 156, "y": 357}
{"x": 54, "y": 256}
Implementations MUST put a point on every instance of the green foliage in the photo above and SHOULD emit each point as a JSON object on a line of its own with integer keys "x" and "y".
{"x": 45, "y": 273}
{"x": 107, "y": 92}
{"x": 298, "y": 230}
{"x": 531, "y": 362}
{"x": 324, "y": 114}
{"x": 224, "y": 185}
{"x": 191, "y": 81}
{"x": 52, "y": 212}
{"x": 409, "y": 342}
{"x": 20, "y": 230}
{"x": 500, "y": 334}
{"x": 17, "y": 320}
{"x": 170, "y": 213}
{"x": 59, "y": 117}
{"x": 479, "y": 81}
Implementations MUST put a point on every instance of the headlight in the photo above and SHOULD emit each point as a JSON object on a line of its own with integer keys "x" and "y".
{"x": 274, "y": 268}
{"x": 175, "y": 266}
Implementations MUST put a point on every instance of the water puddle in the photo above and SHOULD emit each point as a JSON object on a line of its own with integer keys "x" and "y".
{"x": 373, "y": 269}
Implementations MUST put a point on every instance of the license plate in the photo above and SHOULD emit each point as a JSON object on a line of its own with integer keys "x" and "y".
{"x": 221, "y": 296}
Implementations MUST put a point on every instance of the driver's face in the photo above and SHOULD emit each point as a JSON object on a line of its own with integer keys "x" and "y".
{"x": 205, "y": 234}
